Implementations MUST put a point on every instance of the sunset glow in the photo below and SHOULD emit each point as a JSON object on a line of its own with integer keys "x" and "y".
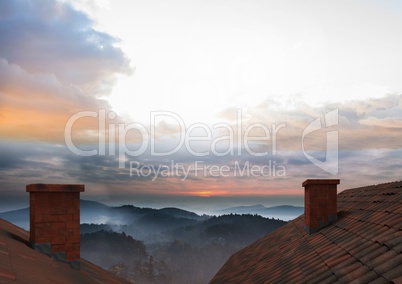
{"x": 207, "y": 193}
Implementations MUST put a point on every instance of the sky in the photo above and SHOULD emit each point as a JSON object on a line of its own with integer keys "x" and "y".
{"x": 198, "y": 103}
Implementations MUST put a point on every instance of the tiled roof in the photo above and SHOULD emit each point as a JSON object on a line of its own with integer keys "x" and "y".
{"x": 364, "y": 245}
{"x": 19, "y": 263}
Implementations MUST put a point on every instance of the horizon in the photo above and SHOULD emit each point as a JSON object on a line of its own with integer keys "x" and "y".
{"x": 194, "y": 204}
{"x": 198, "y": 104}
{"x": 284, "y": 212}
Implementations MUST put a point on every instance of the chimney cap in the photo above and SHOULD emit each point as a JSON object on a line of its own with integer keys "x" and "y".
{"x": 320, "y": 181}
{"x": 40, "y": 187}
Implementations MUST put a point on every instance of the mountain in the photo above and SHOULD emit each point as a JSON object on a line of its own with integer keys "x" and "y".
{"x": 179, "y": 213}
{"x": 18, "y": 217}
{"x": 234, "y": 229}
{"x": 167, "y": 245}
{"x": 283, "y": 212}
{"x": 177, "y": 250}
{"x": 151, "y": 220}
{"x": 119, "y": 248}
{"x": 91, "y": 212}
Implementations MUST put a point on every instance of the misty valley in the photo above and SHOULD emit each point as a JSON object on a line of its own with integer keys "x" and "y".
{"x": 168, "y": 245}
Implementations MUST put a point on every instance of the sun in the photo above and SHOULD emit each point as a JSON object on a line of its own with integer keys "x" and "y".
{"x": 209, "y": 193}
{"x": 204, "y": 193}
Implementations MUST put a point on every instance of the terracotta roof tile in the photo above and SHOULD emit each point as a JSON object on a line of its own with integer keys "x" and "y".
{"x": 311, "y": 273}
{"x": 363, "y": 245}
{"x": 396, "y": 222}
{"x": 355, "y": 271}
{"x": 375, "y": 251}
{"x": 398, "y": 248}
{"x": 379, "y": 280}
{"x": 397, "y": 281}
{"x": 326, "y": 278}
{"x": 387, "y": 262}
{"x": 366, "y": 278}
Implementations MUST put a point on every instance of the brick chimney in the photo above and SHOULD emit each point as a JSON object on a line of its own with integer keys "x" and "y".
{"x": 320, "y": 203}
{"x": 55, "y": 220}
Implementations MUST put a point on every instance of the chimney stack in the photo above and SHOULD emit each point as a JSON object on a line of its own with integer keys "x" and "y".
{"x": 320, "y": 203}
{"x": 55, "y": 220}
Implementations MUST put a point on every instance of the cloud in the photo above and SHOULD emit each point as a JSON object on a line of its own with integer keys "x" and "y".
{"x": 382, "y": 122}
{"x": 360, "y": 140}
{"x": 53, "y": 64}
{"x": 49, "y": 36}
{"x": 37, "y": 106}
